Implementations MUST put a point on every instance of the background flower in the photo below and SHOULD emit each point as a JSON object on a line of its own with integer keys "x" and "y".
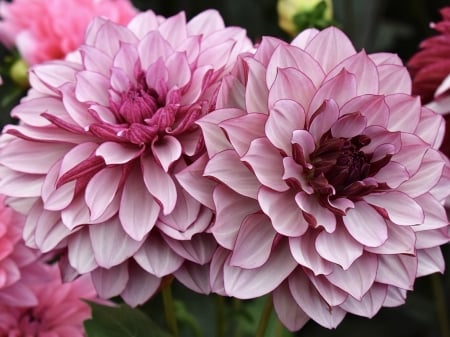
{"x": 321, "y": 155}
{"x": 43, "y": 30}
{"x": 102, "y": 136}
{"x": 430, "y": 70}
{"x": 59, "y": 310}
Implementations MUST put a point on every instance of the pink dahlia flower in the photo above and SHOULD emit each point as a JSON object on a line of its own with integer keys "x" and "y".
{"x": 44, "y": 30}
{"x": 330, "y": 184}
{"x": 60, "y": 309}
{"x": 17, "y": 261}
{"x": 430, "y": 72}
{"x": 102, "y": 139}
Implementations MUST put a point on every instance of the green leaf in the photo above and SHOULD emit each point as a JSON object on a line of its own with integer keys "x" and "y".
{"x": 121, "y": 321}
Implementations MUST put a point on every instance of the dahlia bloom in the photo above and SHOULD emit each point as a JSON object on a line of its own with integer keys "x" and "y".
{"x": 430, "y": 72}
{"x": 59, "y": 312}
{"x": 16, "y": 260}
{"x": 49, "y": 29}
{"x": 329, "y": 182}
{"x": 103, "y": 136}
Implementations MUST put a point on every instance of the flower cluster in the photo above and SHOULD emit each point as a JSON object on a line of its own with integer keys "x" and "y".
{"x": 167, "y": 147}
{"x": 44, "y": 30}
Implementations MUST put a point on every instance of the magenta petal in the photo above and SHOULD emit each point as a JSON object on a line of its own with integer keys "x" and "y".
{"x": 310, "y": 301}
{"x": 251, "y": 283}
{"x": 140, "y": 287}
{"x": 266, "y": 162}
{"x": 254, "y": 242}
{"x": 159, "y": 183}
{"x": 288, "y": 312}
{"x": 138, "y": 210}
{"x": 366, "y": 225}
{"x": 18, "y": 294}
{"x": 284, "y": 213}
{"x": 110, "y": 282}
{"x": 111, "y": 244}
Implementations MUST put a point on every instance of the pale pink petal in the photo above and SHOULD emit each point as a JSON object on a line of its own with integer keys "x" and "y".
{"x": 358, "y": 278}
{"x": 369, "y": 304}
{"x": 254, "y": 242}
{"x": 194, "y": 276}
{"x": 111, "y": 245}
{"x": 329, "y": 245}
{"x": 284, "y": 213}
{"x": 319, "y": 216}
{"x": 81, "y": 253}
{"x": 251, "y": 283}
{"x": 110, "y": 282}
{"x": 431, "y": 261}
{"x": 99, "y": 199}
{"x": 138, "y": 210}
{"x": 116, "y": 153}
{"x": 310, "y": 301}
{"x": 285, "y": 117}
{"x": 304, "y": 252}
{"x": 366, "y": 225}
{"x": 287, "y": 310}
{"x": 400, "y": 208}
{"x": 231, "y": 211}
{"x": 256, "y": 88}
{"x": 156, "y": 257}
{"x": 227, "y": 167}
{"x": 397, "y": 270}
{"x": 266, "y": 162}
{"x": 140, "y": 287}
{"x": 242, "y": 130}
{"x": 159, "y": 183}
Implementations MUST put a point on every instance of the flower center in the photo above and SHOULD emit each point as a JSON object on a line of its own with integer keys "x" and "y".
{"x": 340, "y": 161}
{"x": 136, "y": 105}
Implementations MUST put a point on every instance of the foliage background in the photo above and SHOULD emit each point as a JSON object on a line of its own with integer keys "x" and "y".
{"x": 376, "y": 25}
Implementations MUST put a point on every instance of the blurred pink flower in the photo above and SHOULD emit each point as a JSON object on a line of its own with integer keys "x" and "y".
{"x": 59, "y": 311}
{"x": 103, "y": 136}
{"x": 430, "y": 72}
{"x": 44, "y": 30}
{"x": 330, "y": 184}
{"x": 16, "y": 260}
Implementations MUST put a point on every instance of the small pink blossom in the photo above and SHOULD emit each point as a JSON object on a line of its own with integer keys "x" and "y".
{"x": 98, "y": 160}
{"x": 329, "y": 183}
{"x": 59, "y": 310}
{"x": 44, "y": 30}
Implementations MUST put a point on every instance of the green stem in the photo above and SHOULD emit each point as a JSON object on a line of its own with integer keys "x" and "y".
{"x": 169, "y": 310}
{"x": 441, "y": 305}
{"x": 265, "y": 317}
{"x": 220, "y": 316}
